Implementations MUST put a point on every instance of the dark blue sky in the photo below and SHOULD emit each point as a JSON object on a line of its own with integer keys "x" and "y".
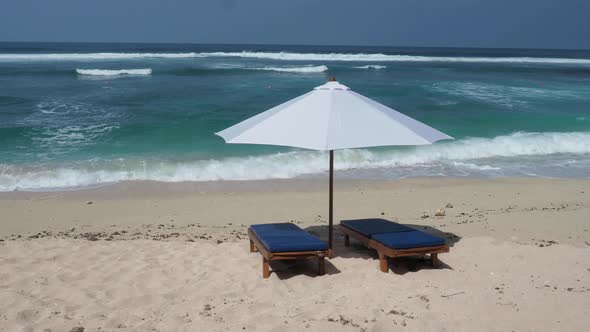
{"x": 470, "y": 23}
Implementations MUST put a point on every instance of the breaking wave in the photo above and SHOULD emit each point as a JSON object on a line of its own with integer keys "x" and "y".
{"x": 466, "y": 155}
{"x": 107, "y": 72}
{"x": 292, "y": 56}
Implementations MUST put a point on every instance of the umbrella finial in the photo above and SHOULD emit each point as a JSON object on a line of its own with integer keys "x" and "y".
{"x": 332, "y": 79}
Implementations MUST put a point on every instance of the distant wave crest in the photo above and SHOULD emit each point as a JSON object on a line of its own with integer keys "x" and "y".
{"x": 306, "y": 69}
{"x": 380, "y": 57}
{"x": 291, "y": 56}
{"x": 92, "y": 56}
{"x": 108, "y": 72}
{"x": 479, "y": 154}
{"x": 371, "y": 67}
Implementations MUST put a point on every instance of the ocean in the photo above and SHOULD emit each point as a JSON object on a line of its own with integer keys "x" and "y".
{"x": 76, "y": 115}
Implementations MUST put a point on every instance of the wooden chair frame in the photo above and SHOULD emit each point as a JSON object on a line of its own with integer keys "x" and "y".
{"x": 267, "y": 256}
{"x": 384, "y": 251}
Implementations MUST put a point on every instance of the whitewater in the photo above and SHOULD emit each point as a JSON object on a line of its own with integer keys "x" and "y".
{"x": 466, "y": 156}
{"x": 117, "y": 72}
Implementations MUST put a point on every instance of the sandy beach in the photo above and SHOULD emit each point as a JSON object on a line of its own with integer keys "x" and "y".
{"x": 149, "y": 256}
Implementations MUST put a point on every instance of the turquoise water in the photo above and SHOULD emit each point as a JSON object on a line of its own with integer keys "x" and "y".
{"x": 70, "y": 116}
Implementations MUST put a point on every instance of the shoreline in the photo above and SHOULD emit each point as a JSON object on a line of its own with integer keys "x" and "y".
{"x": 413, "y": 200}
{"x": 260, "y": 185}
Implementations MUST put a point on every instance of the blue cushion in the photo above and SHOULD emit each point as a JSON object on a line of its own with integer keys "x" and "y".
{"x": 407, "y": 240}
{"x": 286, "y": 237}
{"x": 370, "y": 227}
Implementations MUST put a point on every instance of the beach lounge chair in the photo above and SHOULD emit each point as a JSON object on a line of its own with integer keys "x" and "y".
{"x": 283, "y": 241}
{"x": 392, "y": 240}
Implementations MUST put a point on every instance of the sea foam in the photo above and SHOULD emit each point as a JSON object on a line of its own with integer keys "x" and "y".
{"x": 293, "y": 56}
{"x": 464, "y": 156}
{"x": 108, "y": 72}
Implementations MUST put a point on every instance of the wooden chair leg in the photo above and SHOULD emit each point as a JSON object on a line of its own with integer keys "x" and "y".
{"x": 346, "y": 240}
{"x": 383, "y": 263}
{"x": 321, "y": 265}
{"x": 252, "y": 248}
{"x": 434, "y": 260}
{"x": 265, "y": 268}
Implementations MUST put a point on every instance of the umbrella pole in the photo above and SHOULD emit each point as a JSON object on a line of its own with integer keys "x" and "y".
{"x": 331, "y": 203}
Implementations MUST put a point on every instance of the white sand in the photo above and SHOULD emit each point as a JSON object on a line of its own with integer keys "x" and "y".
{"x": 520, "y": 259}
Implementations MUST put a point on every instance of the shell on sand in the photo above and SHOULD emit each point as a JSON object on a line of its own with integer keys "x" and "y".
{"x": 440, "y": 212}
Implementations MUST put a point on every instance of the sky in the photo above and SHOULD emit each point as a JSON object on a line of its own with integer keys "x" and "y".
{"x": 435, "y": 23}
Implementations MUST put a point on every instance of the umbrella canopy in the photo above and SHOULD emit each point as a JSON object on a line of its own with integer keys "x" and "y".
{"x": 331, "y": 117}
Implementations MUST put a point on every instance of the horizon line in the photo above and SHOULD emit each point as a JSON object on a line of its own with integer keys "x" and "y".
{"x": 311, "y": 45}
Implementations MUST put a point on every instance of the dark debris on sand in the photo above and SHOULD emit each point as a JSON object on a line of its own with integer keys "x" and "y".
{"x": 159, "y": 232}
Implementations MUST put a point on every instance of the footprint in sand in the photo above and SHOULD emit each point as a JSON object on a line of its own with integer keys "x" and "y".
{"x": 28, "y": 315}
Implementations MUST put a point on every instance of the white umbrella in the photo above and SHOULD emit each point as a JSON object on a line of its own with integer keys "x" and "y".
{"x": 329, "y": 118}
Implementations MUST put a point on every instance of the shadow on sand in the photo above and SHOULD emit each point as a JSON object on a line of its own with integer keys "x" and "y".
{"x": 303, "y": 266}
{"x": 400, "y": 265}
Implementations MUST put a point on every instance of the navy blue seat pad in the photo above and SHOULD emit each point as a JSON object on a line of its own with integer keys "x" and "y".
{"x": 287, "y": 237}
{"x": 370, "y": 227}
{"x": 408, "y": 240}
{"x": 393, "y": 235}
